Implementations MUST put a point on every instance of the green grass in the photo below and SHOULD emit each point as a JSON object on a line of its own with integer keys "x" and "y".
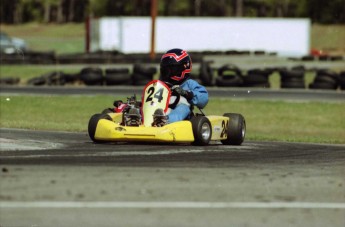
{"x": 288, "y": 121}
{"x": 26, "y": 72}
{"x": 328, "y": 37}
{"x": 317, "y": 122}
{"x": 61, "y": 38}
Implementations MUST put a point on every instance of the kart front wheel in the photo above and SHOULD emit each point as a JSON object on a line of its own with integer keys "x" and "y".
{"x": 236, "y": 129}
{"x": 202, "y": 130}
{"x": 93, "y": 124}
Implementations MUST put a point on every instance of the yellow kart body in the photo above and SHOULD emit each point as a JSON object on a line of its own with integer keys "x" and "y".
{"x": 182, "y": 131}
{"x": 134, "y": 125}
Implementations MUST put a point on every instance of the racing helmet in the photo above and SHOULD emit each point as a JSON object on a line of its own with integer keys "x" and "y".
{"x": 175, "y": 66}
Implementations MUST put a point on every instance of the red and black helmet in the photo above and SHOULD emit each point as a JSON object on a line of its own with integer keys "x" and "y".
{"x": 175, "y": 66}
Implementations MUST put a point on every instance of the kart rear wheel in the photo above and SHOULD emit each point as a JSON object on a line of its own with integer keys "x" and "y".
{"x": 93, "y": 125}
{"x": 202, "y": 130}
{"x": 108, "y": 110}
{"x": 236, "y": 130}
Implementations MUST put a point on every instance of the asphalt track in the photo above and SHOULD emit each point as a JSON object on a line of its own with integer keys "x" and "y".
{"x": 63, "y": 179}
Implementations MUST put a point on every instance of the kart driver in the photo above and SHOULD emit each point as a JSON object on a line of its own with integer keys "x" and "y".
{"x": 175, "y": 68}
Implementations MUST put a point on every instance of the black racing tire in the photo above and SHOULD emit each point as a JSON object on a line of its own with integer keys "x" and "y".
{"x": 298, "y": 68}
{"x": 37, "y": 81}
{"x": 9, "y": 80}
{"x": 264, "y": 72}
{"x": 291, "y": 75}
{"x": 326, "y": 79}
{"x": 236, "y": 130}
{"x": 71, "y": 78}
{"x": 342, "y": 80}
{"x": 144, "y": 70}
{"x": 117, "y": 76}
{"x": 308, "y": 58}
{"x": 202, "y": 130}
{"x": 225, "y": 69}
{"x": 229, "y": 81}
{"x": 92, "y": 76}
{"x": 292, "y": 79}
{"x": 324, "y": 58}
{"x": 139, "y": 80}
{"x": 116, "y": 71}
{"x": 323, "y": 85}
{"x": 327, "y": 72}
{"x": 293, "y": 84}
{"x": 336, "y": 58}
{"x": 206, "y": 74}
{"x": 93, "y": 125}
{"x": 138, "y": 76}
{"x": 258, "y": 85}
{"x": 257, "y": 78}
{"x": 118, "y": 79}
{"x": 108, "y": 110}
{"x": 55, "y": 78}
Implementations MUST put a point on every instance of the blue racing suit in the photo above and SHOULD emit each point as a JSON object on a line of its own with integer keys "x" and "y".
{"x": 200, "y": 99}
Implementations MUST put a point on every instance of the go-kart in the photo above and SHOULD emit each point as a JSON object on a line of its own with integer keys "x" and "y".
{"x": 132, "y": 122}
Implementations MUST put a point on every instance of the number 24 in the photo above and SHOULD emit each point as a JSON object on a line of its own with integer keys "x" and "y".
{"x": 158, "y": 95}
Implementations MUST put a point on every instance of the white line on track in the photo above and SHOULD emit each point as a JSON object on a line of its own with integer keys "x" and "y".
{"x": 174, "y": 205}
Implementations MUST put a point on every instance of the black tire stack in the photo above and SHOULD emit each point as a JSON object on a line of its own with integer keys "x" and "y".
{"x": 342, "y": 80}
{"x": 229, "y": 76}
{"x": 206, "y": 73}
{"x": 117, "y": 76}
{"x": 92, "y": 76}
{"x": 55, "y": 78}
{"x": 257, "y": 78}
{"x": 142, "y": 74}
{"x": 293, "y": 78}
{"x": 325, "y": 79}
{"x": 9, "y": 81}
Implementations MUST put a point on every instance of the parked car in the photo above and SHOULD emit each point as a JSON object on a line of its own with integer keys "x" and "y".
{"x": 10, "y": 45}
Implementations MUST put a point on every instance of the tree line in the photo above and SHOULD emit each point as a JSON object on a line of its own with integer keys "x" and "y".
{"x": 63, "y": 11}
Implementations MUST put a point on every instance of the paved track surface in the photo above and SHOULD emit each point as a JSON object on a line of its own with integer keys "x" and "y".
{"x": 63, "y": 179}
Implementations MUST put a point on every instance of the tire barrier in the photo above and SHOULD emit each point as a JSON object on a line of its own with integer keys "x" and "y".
{"x": 311, "y": 58}
{"x": 342, "y": 80}
{"x": 206, "y": 73}
{"x": 117, "y": 76}
{"x": 91, "y": 76}
{"x": 293, "y": 78}
{"x": 325, "y": 79}
{"x": 108, "y": 57}
{"x": 28, "y": 57}
{"x": 142, "y": 74}
{"x": 229, "y": 76}
{"x": 257, "y": 78}
{"x": 9, "y": 81}
{"x": 55, "y": 78}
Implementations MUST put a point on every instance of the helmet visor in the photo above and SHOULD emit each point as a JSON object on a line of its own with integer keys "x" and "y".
{"x": 170, "y": 71}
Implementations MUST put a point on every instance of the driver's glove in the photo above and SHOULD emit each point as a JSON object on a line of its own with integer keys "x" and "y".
{"x": 187, "y": 94}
